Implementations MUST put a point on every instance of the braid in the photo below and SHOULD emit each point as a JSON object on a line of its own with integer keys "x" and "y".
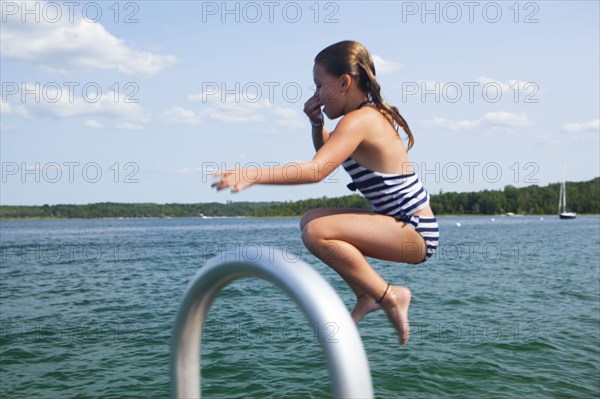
{"x": 373, "y": 89}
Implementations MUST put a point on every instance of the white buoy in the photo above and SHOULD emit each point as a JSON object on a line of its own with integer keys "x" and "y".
{"x": 457, "y": 224}
{"x": 493, "y": 220}
{"x": 541, "y": 218}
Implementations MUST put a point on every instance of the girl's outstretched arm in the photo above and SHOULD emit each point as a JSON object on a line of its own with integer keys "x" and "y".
{"x": 341, "y": 144}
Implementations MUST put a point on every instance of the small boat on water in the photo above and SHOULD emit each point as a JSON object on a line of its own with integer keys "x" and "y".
{"x": 562, "y": 203}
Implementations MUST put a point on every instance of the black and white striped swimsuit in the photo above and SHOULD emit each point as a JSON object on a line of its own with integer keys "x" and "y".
{"x": 396, "y": 195}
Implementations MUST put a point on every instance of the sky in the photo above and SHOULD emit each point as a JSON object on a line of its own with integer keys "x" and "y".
{"x": 141, "y": 101}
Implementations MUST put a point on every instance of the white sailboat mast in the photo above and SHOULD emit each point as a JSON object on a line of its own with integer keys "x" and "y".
{"x": 562, "y": 193}
{"x": 564, "y": 200}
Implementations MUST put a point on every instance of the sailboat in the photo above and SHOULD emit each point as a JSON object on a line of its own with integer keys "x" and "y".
{"x": 562, "y": 203}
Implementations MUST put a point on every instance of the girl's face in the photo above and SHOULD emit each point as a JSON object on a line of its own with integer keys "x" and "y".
{"x": 329, "y": 89}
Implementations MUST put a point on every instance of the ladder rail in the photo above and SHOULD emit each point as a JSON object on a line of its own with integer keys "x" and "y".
{"x": 344, "y": 352}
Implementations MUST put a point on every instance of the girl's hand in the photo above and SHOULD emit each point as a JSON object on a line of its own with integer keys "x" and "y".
{"x": 238, "y": 179}
{"x": 312, "y": 108}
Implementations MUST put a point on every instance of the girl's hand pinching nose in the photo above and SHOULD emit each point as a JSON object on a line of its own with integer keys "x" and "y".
{"x": 312, "y": 109}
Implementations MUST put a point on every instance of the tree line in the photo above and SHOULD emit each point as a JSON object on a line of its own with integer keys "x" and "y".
{"x": 582, "y": 197}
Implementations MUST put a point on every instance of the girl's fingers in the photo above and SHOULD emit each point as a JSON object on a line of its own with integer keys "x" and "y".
{"x": 311, "y": 105}
{"x": 221, "y": 183}
{"x": 313, "y": 111}
{"x": 225, "y": 181}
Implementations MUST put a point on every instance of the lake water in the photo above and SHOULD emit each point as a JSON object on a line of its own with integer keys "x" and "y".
{"x": 505, "y": 309}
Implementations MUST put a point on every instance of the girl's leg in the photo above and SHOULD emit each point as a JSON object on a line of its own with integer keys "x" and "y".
{"x": 342, "y": 239}
{"x": 365, "y": 304}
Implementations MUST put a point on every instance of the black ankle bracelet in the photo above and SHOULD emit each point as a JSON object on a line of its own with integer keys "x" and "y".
{"x": 385, "y": 292}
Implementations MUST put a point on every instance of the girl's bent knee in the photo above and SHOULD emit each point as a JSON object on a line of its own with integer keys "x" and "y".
{"x": 308, "y": 234}
{"x": 312, "y": 234}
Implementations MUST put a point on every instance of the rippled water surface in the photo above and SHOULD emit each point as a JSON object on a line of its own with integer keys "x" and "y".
{"x": 506, "y": 309}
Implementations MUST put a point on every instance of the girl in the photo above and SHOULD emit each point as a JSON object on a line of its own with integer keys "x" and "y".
{"x": 366, "y": 142}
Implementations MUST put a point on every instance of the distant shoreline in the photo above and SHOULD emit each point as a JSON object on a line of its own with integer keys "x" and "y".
{"x": 276, "y": 217}
{"x": 582, "y": 198}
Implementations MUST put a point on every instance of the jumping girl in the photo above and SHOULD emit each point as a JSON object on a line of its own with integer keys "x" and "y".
{"x": 367, "y": 143}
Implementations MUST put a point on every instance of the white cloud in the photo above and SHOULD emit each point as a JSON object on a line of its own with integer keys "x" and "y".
{"x": 23, "y": 112}
{"x": 509, "y": 87}
{"x": 506, "y": 119}
{"x": 290, "y": 118}
{"x": 559, "y": 138}
{"x": 592, "y": 126}
{"x": 50, "y": 102}
{"x": 179, "y": 115}
{"x": 384, "y": 67}
{"x": 6, "y": 128}
{"x": 232, "y": 115}
{"x": 243, "y": 107}
{"x": 69, "y": 46}
{"x": 452, "y": 125}
{"x": 5, "y": 108}
{"x": 231, "y": 108}
{"x": 93, "y": 124}
{"x": 554, "y": 139}
{"x": 493, "y": 120}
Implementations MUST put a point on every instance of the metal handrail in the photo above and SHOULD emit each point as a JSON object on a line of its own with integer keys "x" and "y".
{"x": 344, "y": 352}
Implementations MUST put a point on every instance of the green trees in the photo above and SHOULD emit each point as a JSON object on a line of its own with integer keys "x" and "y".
{"x": 582, "y": 197}
{"x": 116, "y": 210}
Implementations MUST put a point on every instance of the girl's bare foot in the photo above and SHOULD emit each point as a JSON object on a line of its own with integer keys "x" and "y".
{"x": 396, "y": 303}
{"x": 364, "y": 305}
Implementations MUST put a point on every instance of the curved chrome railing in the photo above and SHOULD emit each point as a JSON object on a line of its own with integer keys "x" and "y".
{"x": 344, "y": 351}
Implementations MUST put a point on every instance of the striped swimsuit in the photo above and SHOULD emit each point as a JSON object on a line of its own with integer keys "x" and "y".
{"x": 395, "y": 195}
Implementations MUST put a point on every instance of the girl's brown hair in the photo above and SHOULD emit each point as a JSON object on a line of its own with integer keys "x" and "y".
{"x": 352, "y": 58}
